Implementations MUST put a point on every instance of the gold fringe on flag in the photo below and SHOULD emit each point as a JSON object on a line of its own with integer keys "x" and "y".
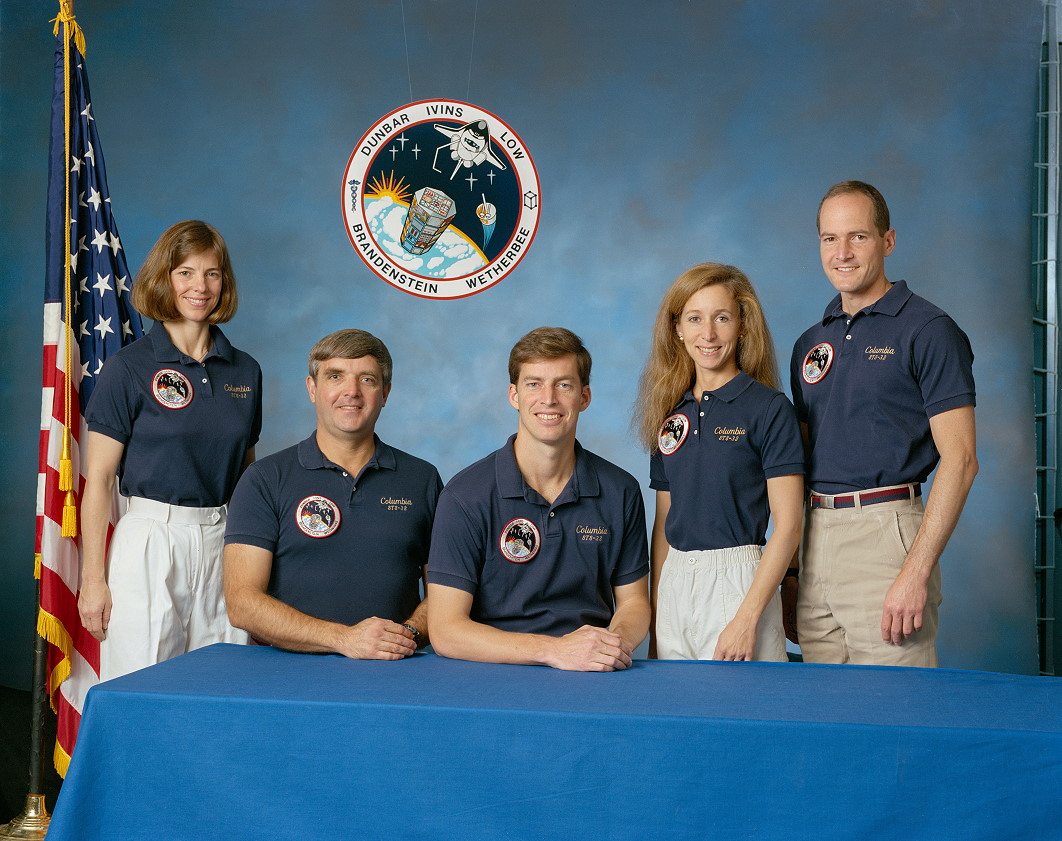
{"x": 51, "y": 629}
{"x": 60, "y": 759}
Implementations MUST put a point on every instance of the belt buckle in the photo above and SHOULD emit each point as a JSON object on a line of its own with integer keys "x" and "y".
{"x": 825, "y": 502}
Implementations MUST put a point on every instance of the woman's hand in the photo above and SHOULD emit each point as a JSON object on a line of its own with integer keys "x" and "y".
{"x": 94, "y": 605}
{"x": 736, "y": 642}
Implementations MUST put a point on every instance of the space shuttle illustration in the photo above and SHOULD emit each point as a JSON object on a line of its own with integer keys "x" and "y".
{"x": 469, "y": 145}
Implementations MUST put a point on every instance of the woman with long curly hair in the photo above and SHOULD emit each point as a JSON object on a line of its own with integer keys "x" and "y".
{"x": 725, "y": 457}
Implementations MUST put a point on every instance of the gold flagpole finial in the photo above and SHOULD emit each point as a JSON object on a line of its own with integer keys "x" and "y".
{"x": 66, "y": 15}
{"x": 66, "y": 11}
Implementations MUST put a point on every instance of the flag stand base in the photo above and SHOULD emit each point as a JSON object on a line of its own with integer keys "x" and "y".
{"x": 32, "y": 823}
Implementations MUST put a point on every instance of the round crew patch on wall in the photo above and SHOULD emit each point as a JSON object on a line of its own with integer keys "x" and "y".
{"x": 441, "y": 199}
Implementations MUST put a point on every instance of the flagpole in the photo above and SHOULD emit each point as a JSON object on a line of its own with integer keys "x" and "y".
{"x": 31, "y": 824}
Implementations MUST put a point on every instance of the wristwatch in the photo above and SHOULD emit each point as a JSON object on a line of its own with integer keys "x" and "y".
{"x": 414, "y": 632}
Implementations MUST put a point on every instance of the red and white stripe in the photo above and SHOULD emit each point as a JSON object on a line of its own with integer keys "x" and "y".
{"x": 73, "y": 657}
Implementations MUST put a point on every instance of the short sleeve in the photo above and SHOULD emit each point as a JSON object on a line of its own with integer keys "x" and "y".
{"x": 794, "y": 383}
{"x": 431, "y": 499}
{"x": 457, "y": 547}
{"x": 782, "y": 450}
{"x": 943, "y": 366}
{"x": 658, "y": 480}
{"x": 114, "y": 404}
{"x": 253, "y": 517}
{"x": 633, "y": 563}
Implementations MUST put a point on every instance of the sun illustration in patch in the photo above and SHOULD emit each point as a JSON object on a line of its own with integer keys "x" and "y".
{"x": 441, "y": 199}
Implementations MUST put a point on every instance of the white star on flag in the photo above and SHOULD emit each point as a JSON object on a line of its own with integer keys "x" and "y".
{"x": 103, "y": 327}
{"x": 102, "y": 284}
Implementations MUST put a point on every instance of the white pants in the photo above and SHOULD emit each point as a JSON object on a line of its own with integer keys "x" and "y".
{"x": 165, "y": 576}
{"x": 700, "y": 592}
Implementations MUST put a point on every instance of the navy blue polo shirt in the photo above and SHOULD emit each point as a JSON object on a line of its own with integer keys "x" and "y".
{"x": 533, "y": 567}
{"x": 867, "y": 386}
{"x": 186, "y": 425}
{"x": 716, "y": 455}
{"x": 344, "y": 548}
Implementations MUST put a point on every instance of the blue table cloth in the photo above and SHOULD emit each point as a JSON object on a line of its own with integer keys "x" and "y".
{"x": 244, "y": 742}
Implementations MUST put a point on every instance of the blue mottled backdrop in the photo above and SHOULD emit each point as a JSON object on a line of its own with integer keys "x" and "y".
{"x": 664, "y": 134}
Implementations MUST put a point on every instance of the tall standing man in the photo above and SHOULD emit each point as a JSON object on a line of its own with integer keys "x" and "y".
{"x": 327, "y": 540}
{"x": 539, "y": 552}
{"x": 884, "y": 388}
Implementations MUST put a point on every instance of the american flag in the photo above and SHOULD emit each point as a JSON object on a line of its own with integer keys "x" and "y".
{"x": 102, "y": 320}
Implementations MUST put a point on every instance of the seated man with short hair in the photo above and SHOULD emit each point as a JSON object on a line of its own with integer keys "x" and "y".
{"x": 539, "y": 552}
{"x": 327, "y": 540}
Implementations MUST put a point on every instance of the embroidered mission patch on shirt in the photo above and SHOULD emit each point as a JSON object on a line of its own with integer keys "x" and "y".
{"x": 519, "y": 541}
{"x": 172, "y": 389}
{"x": 317, "y": 516}
{"x": 673, "y": 432}
{"x": 817, "y": 362}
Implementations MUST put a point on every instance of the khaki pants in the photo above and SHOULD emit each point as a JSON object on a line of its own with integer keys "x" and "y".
{"x": 850, "y": 558}
{"x": 699, "y": 594}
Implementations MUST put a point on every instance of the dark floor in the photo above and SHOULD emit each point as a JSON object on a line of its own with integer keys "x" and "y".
{"x": 15, "y": 717}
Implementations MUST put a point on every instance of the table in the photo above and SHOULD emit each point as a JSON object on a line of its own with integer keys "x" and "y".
{"x": 245, "y": 742}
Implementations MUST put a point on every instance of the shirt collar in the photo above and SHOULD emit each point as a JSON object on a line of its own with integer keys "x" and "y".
{"x": 727, "y": 393}
{"x": 311, "y": 457}
{"x": 511, "y": 484}
{"x": 165, "y": 350}
{"x": 888, "y": 304}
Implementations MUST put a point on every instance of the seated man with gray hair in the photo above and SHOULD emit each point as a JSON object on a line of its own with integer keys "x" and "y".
{"x": 327, "y": 540}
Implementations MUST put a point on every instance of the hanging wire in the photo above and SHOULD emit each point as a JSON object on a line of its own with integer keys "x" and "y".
{"x": 409, "y": 74}
{"x": 471, "y": 52}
